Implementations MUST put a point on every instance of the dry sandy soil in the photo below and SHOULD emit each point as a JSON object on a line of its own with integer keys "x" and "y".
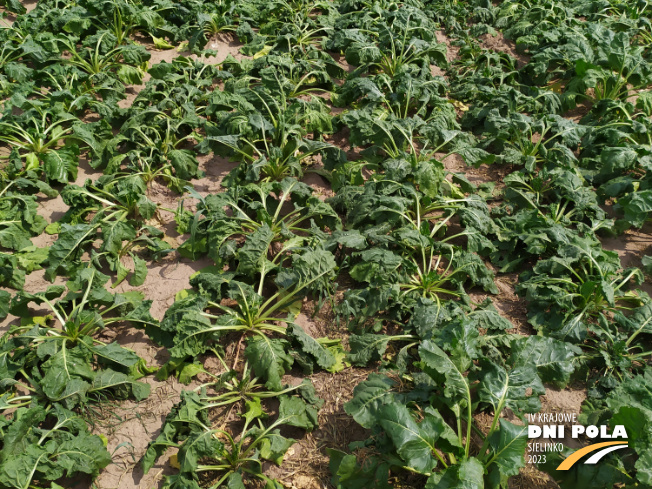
{"x": 129, "y": 426}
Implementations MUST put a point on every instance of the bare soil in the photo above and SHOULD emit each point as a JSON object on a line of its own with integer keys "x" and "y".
{"x": 498, "y": 43}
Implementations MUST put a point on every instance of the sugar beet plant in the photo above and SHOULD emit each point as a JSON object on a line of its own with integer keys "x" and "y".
{"x": 58, "y": 358}
{"x": 395, "y": 171}
{"x": 54, "y": 364}
{"x": 234, "y": 460}
{"x": 189, "y": 331}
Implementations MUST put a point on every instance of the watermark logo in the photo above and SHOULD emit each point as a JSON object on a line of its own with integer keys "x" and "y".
{"x": 603, "y": 449}
{"x": 549, "y": 430}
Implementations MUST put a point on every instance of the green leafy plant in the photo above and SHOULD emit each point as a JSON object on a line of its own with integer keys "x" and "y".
{"x": 114, "y": 210}
{"x": 568, "y": 292}
{"x": 127, "y": 18}
{"x": 188, "y": 331}
{"x": 625, "y": 405}
{"x": 58, "y": 358}
{"x": 260, "y": 215}
{"x": 428, "y": 428}
{"x": 128, "y": 62}
{"x": 37, "y": 138}
{"x": 621, "y": 74}
{"x": 217, "y": 453}
{"x": 40, "y": 445}
{"x": 271, "y": 142}
{"x": 19, "y": 219}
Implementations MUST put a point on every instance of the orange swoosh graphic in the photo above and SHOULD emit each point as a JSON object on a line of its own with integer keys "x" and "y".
{"x": 570, "y": 461}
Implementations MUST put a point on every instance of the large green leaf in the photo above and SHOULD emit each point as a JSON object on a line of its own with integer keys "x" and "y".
{"x": 68, "y": 376}
{"x": 61, "y": 447}
{"x": 508, "y": 445}
{"x": 367, "y": 347}
{"x": 294, "y": 411}
{"x": 439, "y": 365}
{"x": 348, "y": 474}
{"x": 61, "y": 165}
{"x": 193, "y": 334}
{"x": 274, "y": 447}
{"x": 517, "y": 389}
{"x": 253, "y": 253}
{"x": 324, "y": 358}
{"x": 269, "y": 359}
{"x": 20, "y": 433}
{"x": 416, "y": 446}
{"x": 368, "y": 397}
{"x": 468, "y": 474}
{"x": 84, "y": 453}
{"x": 67, "y": 247}
{"x": 553, "y": 359}
{"x": 197, "y": 446}
{"x": 185, "y": 417}
{"x": 121, "y": 384}
{"x": 5, "y": 299}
